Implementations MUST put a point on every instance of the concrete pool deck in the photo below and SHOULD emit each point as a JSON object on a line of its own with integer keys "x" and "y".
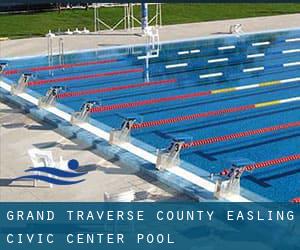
{"x": 18, "y": 133}
{"x": 38, "y": 45}
{"x": 108, "y": 177}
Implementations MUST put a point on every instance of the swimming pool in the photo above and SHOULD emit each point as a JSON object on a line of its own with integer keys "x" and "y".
{"x": 233, "y": 98}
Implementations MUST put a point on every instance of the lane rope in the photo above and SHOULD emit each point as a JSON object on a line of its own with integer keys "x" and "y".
{"x": 263, "y": 164}
{"x": 111, "y": 89}
{"x": 188, "y": 96}
{"x": 296, "y": 200}
{"x": 65, "y": 66}
{"x": 240, "y": 135}
{"x": 80, "y": 77}
{"x": 160, "y": 122}
{"x": 268, "y": 163}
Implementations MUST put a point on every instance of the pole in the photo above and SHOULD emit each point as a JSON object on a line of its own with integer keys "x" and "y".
{"x": 144, "y": 9}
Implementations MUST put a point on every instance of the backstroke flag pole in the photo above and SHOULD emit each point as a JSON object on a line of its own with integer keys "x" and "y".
{"x": 144, "y": 9}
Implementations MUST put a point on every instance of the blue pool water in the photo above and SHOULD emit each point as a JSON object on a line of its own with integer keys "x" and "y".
{"x": 237, "y": 61}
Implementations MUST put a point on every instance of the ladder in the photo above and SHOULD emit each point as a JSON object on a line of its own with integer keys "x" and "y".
{"x": 50, "y": 53}
{"x": 61, "y": 52}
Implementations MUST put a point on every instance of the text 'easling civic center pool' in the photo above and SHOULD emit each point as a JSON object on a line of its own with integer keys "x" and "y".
{"x": 228, "y": 99}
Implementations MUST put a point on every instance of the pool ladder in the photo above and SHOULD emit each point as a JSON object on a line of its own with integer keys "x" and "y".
{"x": 61, "y": 53}
{"x": 50, "y": 53}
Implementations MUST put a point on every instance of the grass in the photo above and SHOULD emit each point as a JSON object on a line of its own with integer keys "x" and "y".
{"x": 38, "y": 24}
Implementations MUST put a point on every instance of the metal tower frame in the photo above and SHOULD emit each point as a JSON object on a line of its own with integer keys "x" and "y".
{"x": 129, "y": 20}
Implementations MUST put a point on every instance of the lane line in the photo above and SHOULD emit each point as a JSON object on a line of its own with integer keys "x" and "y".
{"x": 65, "y": 66}
{"x": 81, "y": 77}
{"x": 116, "y": 88}
{"x": 238, "y": 135}
{"x": 176, "y": 119}
{"x": 186, "y": 96}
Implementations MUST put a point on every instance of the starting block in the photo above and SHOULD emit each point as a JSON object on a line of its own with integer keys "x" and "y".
{"x": 170, "y": 157}
{"x": 3, "y": 65}
{"x": 225, "y": 188}
{"x": 50, "y": 97}
{"x": 22, "y": 84}
{"x": 231, "y": 185}
{"x": 84, "y": 113}
{"x": 122, "y": 135}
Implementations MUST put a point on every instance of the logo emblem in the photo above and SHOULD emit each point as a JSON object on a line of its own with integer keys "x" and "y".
{"x": 54, "y": 175}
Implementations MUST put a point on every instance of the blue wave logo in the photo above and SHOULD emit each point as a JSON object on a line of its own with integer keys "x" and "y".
{"x": 62, "y": 174}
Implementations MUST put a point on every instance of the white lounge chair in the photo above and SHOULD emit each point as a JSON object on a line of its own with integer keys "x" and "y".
{"x": 43, "y": 158}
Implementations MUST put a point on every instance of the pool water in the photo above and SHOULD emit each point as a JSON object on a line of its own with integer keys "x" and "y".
{"x": 193, "y": 77}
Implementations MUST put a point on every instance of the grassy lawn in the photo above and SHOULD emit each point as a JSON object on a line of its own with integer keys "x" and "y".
{"x": 25, "y": 25}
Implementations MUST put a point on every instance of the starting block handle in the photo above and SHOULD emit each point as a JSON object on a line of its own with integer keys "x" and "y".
{"x": 169, "y": 157}
{"x": 22, "y": 83}
{"x": 50, "y": 97}
{"x": 122, "y": 135}
{"x": 3, "y": 65}
{"x": 84, "y": 113}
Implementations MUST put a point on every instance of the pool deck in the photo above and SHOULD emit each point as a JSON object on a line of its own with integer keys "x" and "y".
{"x": 38, "y": 45}
{"x": 106, "y": 176}
{"x": 18, "y": 133}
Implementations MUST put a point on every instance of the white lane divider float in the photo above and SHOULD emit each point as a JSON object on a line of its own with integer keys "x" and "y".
{"x": 147, "y": 56}
{"x": 291, "y": 40}
{"x": 183, "y": 52}
{"x": 291, "y": 64}
{"x": 261, "y": 44}
{"x": 253, "y": 69}
{"x": 256, "y": 55}
{"x": 226, "y": 47}
{"x": 218, "y": 60}
{"x": 194, "y": 51}
{"x": 186, "y": 52}
{"x": 178, "y": 65}
{"x": 290, "y": 51}
{"x": 211, "y": 75}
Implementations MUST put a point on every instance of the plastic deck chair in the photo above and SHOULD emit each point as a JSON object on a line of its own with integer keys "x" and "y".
{"x": 127, "y": 196}
{"x": 40, "y": 158}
